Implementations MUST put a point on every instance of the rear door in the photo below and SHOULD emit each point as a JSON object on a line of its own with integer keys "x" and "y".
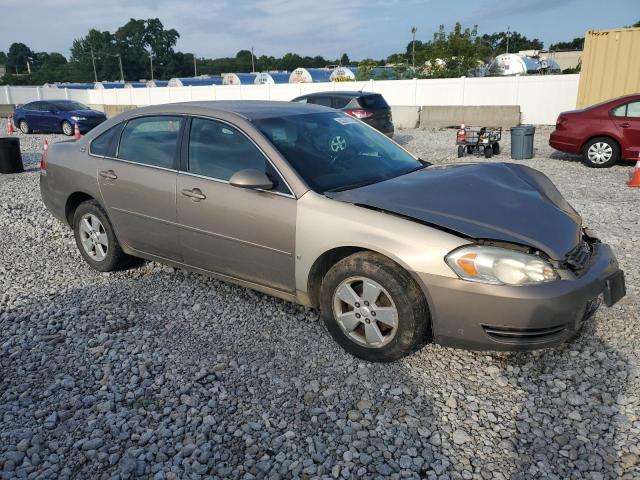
{"x": 627, "y": 120}
{"x": 138, "y": 186}
{"x": 245, "y": 234}
{"x": 33, "y": 115}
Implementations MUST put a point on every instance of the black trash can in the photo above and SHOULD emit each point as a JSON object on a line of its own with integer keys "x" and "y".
{"x": 10, "y": 157}
{"x": 522, "y": 142}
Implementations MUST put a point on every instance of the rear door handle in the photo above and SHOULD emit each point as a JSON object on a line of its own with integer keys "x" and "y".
{"x": 195, "y": 194}
{"x": 625, "y": 125}
{"x": 108, "y": 174}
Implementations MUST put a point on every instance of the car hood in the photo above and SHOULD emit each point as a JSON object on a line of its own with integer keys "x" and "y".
{"x": 493, "y": 201}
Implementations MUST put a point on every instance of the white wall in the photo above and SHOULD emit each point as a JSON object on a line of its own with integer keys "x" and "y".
{"x": 541, "y": 98}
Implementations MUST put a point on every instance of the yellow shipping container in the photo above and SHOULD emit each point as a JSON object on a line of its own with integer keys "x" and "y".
{"x": 610, "y": 65}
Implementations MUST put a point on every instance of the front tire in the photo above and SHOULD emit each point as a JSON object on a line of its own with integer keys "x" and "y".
{"x": 373, "y": 308}
{"x": 24, "y": 127}
{"x": 600, "y": 152}
{"x": 96, "y": 239}
{"x": 496, "y": 148}
{"x": 460, "y": 151}
{"x": 488, "y": 152}
{"x": 67, "y": 128}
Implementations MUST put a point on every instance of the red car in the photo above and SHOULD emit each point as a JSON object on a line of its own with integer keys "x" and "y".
{"x": 603, "y": 133}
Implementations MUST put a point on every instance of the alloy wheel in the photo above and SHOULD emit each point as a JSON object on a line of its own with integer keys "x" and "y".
{"x": 67, "y": 129}
{"x": 24, "y": 127}
{"x": 365, "y": 312}
{"x": 93, "y": 237}
{"x": 599, "y": 153}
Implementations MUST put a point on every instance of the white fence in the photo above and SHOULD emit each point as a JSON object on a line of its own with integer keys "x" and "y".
{"x": 541, "y": 98}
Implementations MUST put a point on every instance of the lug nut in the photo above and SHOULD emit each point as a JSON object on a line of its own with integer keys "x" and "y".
{"x": 357, "y": 305}
{"x": 373, "y": 314}
{"x": 358, "y": 315}
{"x": 366, "y": 303}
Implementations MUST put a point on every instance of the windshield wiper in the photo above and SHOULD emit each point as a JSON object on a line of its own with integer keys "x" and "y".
{"x": 352, "y": 185}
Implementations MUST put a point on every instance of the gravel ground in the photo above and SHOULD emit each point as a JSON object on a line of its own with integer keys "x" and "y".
{"x": 159, "y": 373}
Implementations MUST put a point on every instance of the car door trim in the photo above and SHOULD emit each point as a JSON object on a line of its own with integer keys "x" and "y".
{"x": 198, "y": 230}
{"x": 219, "y": 180}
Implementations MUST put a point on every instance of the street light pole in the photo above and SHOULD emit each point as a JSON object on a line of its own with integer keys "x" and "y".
{"x": 151, "y": 63}
{"x": 120, "y": 63}
{"x": 253, "y": 67}
{"x": 508, "y": 35}
{"x": 413, "y": 46}
{"x": 93, "y": 61}
{"x": 195, "y": 66}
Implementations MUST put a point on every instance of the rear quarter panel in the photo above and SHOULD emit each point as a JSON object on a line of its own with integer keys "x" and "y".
{"x": 69, "y": 170}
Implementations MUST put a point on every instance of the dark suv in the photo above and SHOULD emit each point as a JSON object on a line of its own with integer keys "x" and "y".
{"x": 371, "y": 108}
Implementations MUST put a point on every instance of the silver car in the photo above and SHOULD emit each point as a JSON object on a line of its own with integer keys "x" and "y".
{"x": 313, "y": 206}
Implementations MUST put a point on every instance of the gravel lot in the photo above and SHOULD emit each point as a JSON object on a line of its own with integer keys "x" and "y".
{"x": 159, "y": 373}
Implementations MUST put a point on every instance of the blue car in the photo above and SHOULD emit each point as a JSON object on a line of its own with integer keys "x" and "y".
{"x": 56, "y": 116}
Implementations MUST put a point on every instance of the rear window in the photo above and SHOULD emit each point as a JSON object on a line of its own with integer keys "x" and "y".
{"x": 341, "y": 102}
{"x": 373, "y": 101}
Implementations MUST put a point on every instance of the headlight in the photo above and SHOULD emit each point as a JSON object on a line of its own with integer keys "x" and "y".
{"x": 78, "y": 118}
{"x": 499, "y": 266}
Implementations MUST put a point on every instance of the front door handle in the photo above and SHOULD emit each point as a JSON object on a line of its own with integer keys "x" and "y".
{"x": 625, "y": 125}
{"x": 110, "y": 174}
{"x": 195, "y": 194}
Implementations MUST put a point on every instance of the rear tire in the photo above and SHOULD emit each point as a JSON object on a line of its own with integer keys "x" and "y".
{"x": 96, "y": 238}
{"x": 600, "y": 152}
{"x": 67, "y": 128}
{"x": 386, "y": 320}
{"x": 460, "y": 151}
{"x": 496, "y": 148}
{"x": 24, "y": 127}
{"x": 488, "y": 152}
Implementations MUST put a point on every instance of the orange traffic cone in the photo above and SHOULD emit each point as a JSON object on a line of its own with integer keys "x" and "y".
{"x": 76, "y": 132}
{"x": 43, "y": 158}
{"x": 635, "y": 177}
{"x": 462, "y": 134}
{"x": 10, "y": 127}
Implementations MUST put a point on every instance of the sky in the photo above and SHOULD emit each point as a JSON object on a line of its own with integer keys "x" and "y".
{"x": 361, "y": 28}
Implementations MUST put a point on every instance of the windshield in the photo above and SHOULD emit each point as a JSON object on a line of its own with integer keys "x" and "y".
{"x": 332, "y": 151}
{"x": 68, "y": 105}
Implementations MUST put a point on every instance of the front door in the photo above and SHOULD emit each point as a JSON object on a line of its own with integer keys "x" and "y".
{"x": 242, "y": 233}
{"x": 139, "y": 186}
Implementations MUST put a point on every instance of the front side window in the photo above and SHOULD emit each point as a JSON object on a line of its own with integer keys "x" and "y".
{"x": 151, "y": 141}
{"x": 67, "y": 105}
{"x": 218, "y": 151}
{"x": 332, "y": 151}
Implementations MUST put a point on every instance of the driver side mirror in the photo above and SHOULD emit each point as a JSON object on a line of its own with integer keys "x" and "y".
{"x": 252, "y": 179}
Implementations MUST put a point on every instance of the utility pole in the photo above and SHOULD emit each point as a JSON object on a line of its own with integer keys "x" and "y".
{"x": 253, "y": 67}
{"x": 413, "y": 46}
{"x": 93, "y": 62}
{"x": 195, "y": 66}
{"x": 120, "y": 63}
{"x": 508, "y": 35}
{"x": 151, "y": 63}
{"x": 28, "y": 67}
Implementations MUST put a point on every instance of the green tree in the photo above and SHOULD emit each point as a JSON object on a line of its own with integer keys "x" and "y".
{"x": 17, "y": 57}
{"x": 575, "y": 44}
{"x": 365, "y": 69}
{"x": 344, "y": 60}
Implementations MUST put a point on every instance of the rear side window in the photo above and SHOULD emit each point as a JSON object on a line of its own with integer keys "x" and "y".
{"x": 373, "y": 101}
{"x": 300, "y": 100}
{"x": 324, "y": 101}
{"x": 633, "y": 109}
{"x": 101, "y": 144}
{"x": 150, "y": 140}
{"x": 620, "y": 111}
{"x": 217, "y": 150}
{"x": 340, "y": 102}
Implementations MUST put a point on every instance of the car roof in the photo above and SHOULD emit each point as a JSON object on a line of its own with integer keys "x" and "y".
{"x": 248, "y": 109}
{"x": 341, "y": 93}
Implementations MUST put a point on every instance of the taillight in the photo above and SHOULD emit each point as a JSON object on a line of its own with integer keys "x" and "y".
{"x": 43, "y": 159}
{"x": 359, "y": 113}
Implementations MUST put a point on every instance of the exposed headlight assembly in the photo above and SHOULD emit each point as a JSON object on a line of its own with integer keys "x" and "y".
{"x": 500, "y": 266}
{"x": 78, "y": 118}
